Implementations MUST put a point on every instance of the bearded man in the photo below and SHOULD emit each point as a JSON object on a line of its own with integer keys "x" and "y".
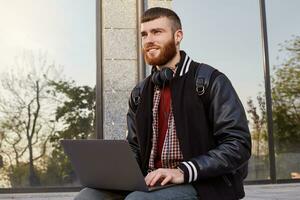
{"x": 200, "y": 147}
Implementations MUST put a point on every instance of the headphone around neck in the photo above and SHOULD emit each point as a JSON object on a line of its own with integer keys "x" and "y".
{"x": 161, "y": 77}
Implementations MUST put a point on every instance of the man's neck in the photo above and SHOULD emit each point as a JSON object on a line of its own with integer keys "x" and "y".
{"x": 172, "y": 63}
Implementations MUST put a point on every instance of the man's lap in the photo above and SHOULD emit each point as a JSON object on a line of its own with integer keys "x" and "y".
{"x": 182, "y": 192}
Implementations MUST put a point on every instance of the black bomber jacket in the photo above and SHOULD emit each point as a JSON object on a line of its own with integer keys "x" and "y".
{"x": 214, "y": 140}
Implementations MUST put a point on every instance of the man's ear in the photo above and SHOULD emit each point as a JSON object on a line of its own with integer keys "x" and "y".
{"x": 178, "y": 35}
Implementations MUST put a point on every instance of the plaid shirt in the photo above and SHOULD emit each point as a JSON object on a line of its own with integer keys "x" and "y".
{"x": 171, "y": 155}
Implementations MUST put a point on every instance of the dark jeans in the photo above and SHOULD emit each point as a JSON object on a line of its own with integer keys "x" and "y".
{"x": 178, "y": 192}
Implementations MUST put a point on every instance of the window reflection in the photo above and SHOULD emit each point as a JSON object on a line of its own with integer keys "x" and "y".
{"x": 47, "y": 60}
{"x": 284, "y": 34}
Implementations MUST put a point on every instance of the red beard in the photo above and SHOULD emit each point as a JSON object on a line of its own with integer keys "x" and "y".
{"x": 167, "y": 52}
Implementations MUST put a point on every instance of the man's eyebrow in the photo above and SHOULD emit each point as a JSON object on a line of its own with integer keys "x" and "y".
{"x": 152, "y": 30}
{"x": 157, "y": 29}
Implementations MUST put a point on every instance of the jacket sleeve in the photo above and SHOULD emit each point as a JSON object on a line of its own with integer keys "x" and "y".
{"x": 131, "y": 124}
{"x": 230, "y": 131}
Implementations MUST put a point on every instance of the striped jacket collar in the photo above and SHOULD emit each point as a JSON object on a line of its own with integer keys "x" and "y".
{"x": 184, "y": 64}
{"x": 182, "y": 67}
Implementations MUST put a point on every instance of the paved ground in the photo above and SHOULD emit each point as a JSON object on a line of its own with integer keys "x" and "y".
{"x": 39, "y": 196}
{"x": 253, "y": 192}
{"x": 273, "y": 192}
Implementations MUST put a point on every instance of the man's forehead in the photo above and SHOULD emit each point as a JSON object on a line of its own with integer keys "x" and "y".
{"x": 161, "y": 22}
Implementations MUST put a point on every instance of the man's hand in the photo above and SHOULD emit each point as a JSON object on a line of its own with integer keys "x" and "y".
{"x": 164, "y": 176}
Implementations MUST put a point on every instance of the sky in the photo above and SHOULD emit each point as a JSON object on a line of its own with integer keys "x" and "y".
{"x": 63, "y": 29}
{"x": 226, "y": 35}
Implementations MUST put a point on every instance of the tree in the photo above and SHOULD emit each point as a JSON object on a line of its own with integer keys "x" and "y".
{"x": 259, "y": 129}
{"x": 285, "y": 86}
{"x": 77, "y": 115}
{"x": 77, "y": 112}
{"x": 286, "y": 99}
{"x": 27, "y": 112}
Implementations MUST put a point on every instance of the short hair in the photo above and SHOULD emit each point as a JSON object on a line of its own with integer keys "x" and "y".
{"x": 157, "y": 12}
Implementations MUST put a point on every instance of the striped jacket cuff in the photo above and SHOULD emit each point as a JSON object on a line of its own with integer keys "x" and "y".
{"x": 189, "y": 170}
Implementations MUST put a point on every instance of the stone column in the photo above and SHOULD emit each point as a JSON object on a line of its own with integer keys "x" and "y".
{"x": 160, "y": 3}
{"x": 119, "y": 63}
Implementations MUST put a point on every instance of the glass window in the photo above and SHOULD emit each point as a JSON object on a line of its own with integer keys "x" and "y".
{"x": 47, "y": 84}
{"x": 284, "y": 44}
{"x": 226, "y": 35}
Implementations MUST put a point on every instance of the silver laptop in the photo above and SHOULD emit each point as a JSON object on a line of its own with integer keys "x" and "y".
{"x": 106, "y": 164}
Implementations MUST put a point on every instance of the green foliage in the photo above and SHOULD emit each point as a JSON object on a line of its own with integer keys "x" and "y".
{"x": 58, "y": 171}
{"x": 259, "y": 129}
{"x": 34, "y": 93}
{"x": 286, "y": 108}
{"x": 286, "y": 99}
{"x": 18, "y": 175}
{"x": 285, "y": 85}
{"x": 77, "y": 114}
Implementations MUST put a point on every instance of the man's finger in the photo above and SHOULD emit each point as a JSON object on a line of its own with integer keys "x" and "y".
{"x": 149, "y": 178}
{"x": 166, "y": 180}
{"x": 157, "y": 176}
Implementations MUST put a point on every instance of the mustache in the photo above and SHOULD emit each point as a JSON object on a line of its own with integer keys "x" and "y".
{"x": 150, "y": 46}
